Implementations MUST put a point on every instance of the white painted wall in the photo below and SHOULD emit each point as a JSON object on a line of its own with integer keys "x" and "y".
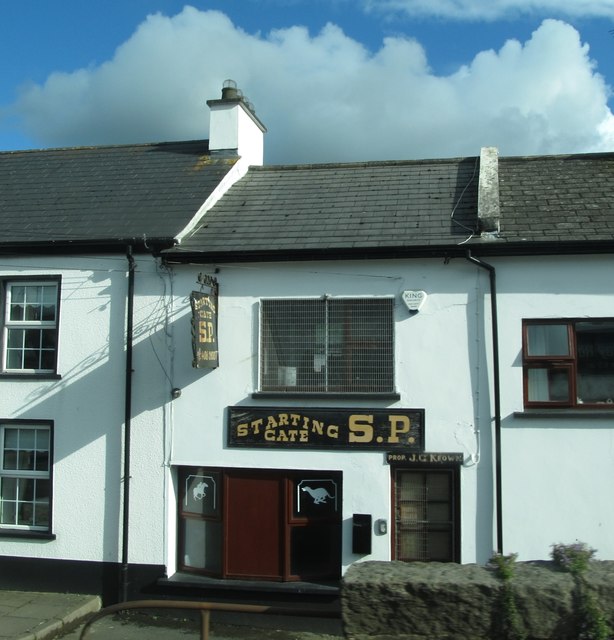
{"x": 555, "y": 473}
{"x": 438, "y": 364}
{"x": 86, "y": 405}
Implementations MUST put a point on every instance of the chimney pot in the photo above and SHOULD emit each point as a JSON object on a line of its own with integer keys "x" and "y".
{"x": 230, "y": 91}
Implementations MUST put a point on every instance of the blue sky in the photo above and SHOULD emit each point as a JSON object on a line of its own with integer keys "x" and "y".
{"x": 333, "y": 80}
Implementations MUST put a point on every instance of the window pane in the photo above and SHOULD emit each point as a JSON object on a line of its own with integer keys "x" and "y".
{"x": 548, "y": 340}
{"x": 8, "y": 488}
{"x": 440, "y": 546}
{"x": 9, "y": 460}
{"x": 11, "y": 438}
{"x": 42, "y": 461}
{"x": 27, "y": 438}
{"x": 32, "y": 339}
{"x": 595, "y": 370}
{"x": 548, "y": 385}
{"x": 202, "y": 544}
{"x": 8, "y": 512}
{"x": 15, "y": 338}
{"x": 31, "y": 359}
{"x": 48, "y": 340}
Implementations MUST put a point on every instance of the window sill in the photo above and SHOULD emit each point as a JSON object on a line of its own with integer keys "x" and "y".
{"x": 30, "y": 376}
{"x": 572, "y": 414}
{"x": 26, "y": 534}
{"x": 323, "y": 395}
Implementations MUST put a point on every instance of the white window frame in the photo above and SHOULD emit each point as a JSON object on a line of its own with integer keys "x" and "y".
{"x": 10, "y": 324}
{"x": 25, "y": 474}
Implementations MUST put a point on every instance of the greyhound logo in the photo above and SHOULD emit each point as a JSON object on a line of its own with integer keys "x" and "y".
{"x": 200, "y": 490}
{"x": 319, "y": 494}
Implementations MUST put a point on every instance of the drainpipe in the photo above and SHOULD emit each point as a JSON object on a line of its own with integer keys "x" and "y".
{"x": 496, "y": 392}
{"x": 123, "y": 596}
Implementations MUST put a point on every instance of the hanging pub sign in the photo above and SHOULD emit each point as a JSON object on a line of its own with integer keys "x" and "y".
{"x": 204, "y": 327}
{"x": 309, "y": 428}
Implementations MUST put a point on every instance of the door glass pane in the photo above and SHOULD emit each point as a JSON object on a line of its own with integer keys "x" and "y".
{"x": 547, "y": 340}
{"x": 314, "y": 551}
{"x": 548, "y": 385}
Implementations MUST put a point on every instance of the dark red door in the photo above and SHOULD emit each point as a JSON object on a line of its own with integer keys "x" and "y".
{"x": 254, "y": 526}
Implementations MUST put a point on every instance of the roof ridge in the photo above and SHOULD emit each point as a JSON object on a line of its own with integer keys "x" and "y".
{"x": 93, "y": 147}
{"x": 365, "y": 164}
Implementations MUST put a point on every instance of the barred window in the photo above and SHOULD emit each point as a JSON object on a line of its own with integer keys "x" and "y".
{"x": 25, "y": 477}
{"x": 30, "y": 327}
{"x": 327, "y": 345}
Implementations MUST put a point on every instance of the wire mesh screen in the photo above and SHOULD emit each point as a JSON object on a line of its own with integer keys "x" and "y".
{"x": 424, "y": 519}
{"x": 338, "y": 344}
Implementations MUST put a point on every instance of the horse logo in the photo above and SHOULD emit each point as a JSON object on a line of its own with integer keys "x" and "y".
{"x": 200, "y": 490}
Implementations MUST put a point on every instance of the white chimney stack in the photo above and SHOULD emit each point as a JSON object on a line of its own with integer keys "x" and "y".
{"x": 234, "y": 126}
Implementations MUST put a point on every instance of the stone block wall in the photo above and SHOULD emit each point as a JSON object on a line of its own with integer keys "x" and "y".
{"x": 444, "y": 601}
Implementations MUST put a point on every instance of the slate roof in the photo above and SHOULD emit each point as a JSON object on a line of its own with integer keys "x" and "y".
{"x": 399, "y": 208}
{"x": 342, "y": 206}
{"x": 557, "y": 198}
{"x": 108, "y": 193}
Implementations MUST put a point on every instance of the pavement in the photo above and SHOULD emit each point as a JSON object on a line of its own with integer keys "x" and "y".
{"x": 31, "y": 615}
{"x": 45, "y": 616}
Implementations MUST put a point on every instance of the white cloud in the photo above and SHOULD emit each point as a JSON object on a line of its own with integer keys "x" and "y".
{"x": 494, "y": 9}
{"x": 325, "y": 97}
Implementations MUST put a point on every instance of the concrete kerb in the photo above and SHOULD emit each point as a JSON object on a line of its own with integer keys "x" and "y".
{"x": 42, "y": 616}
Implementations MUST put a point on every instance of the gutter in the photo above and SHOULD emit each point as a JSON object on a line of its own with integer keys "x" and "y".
{"x": 483, "y": 248}
{"x": 123, "y": 595}
{"x": 497, "y": 394}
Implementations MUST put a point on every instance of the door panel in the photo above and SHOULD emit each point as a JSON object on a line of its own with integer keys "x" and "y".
{"x": 253, "y": 526}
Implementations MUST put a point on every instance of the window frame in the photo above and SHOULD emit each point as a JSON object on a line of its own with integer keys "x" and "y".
{"x": 29, "y": 531}
{"x": 557, "y": 362}
{"x": 349, "y": 350}
{"x": 6, "y": 284}
{"x": 452, "y": 525}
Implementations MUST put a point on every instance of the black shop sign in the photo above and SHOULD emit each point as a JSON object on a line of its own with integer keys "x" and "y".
{"x": 308, "y": 428}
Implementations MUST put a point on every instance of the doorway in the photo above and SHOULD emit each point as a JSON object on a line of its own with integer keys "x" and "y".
{"x": 260, "y": 524}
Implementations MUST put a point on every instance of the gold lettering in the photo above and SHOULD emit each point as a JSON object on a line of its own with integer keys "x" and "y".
{"x": 269, "y": 435}
{"x": 318, "y": 427}
{"x": 332, "y": 431}
{"x": 398, "y": 424}
{"x": 303, "y": 436}
{"x": 202, "y": 332}
{"x": 242, "y": 430}
{"x": 271, "y": 422}
{"x": 295, "y": 419}
{"x": 256, "y": 424}
{"x": 361, "y": 428}
{"x": 283, "y": 419}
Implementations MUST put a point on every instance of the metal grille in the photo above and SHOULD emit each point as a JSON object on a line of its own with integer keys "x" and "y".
{"x": 424, "y": 519}
{"x": 327, "y": 344}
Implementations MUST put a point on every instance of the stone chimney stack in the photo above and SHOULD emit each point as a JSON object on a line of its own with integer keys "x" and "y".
{"x": 234, "y": 127}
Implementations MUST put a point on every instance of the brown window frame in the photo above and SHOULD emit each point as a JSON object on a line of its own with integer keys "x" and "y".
{"x": 452, "y": 473}
{"x": 558, "y": 363}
